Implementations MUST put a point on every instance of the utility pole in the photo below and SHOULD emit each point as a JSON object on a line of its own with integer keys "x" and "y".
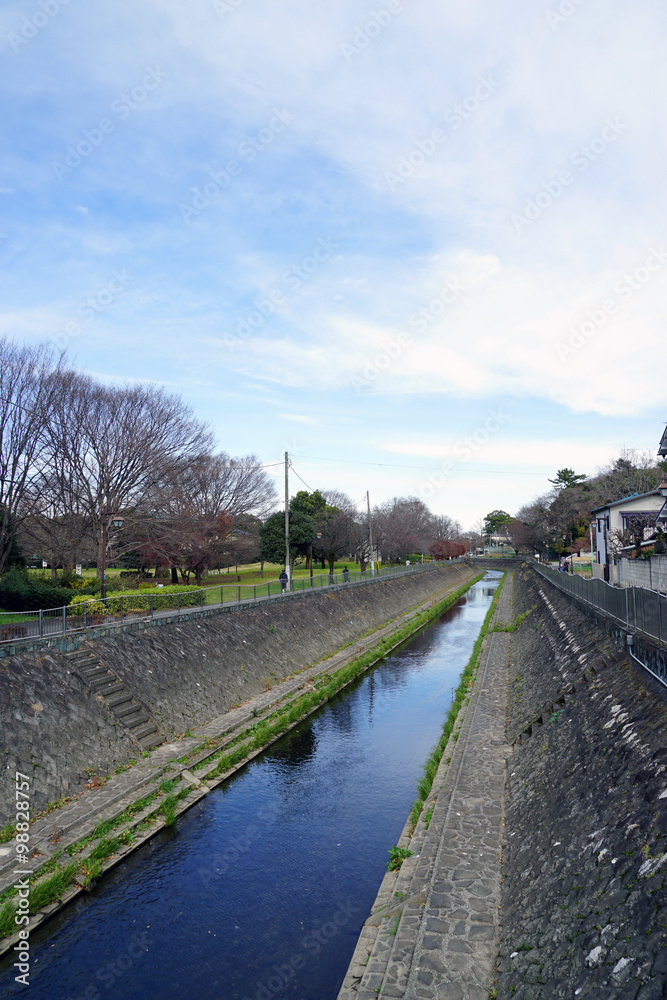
{"x": 287, "y": 562}
{"x": 370, "y": 532}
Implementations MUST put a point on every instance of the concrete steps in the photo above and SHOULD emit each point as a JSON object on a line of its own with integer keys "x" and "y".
{"x": 121, "y": 702}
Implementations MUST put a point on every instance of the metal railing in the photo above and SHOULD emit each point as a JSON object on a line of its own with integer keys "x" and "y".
{"x": 18, "y": 626}
{"x": 637, "y": 609}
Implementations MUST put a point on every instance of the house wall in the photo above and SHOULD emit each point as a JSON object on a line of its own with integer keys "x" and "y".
{"x": 650, "y": 573}
{"x": 613, "y": 514}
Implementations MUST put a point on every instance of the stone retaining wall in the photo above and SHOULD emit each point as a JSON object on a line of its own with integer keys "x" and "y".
{"x": 584, "y": 903}
{"x": 185, "y": 673}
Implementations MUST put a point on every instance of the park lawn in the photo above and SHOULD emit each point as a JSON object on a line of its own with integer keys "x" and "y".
{"x": 250, "y": 574}
{"x": 247, "y": 576}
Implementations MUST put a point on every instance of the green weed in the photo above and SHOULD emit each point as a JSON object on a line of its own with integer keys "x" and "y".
{"x": 7, "y": 922}
{"x": 168, "y": 810}
{"x": 397, "y": 855}
{"x": 49, "y": 889}
{"x": 7, "y": 833}
{"x": 104, "y": 849}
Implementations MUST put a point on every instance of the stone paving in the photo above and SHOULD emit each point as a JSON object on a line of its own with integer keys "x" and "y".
{"x": 434, "y": 927}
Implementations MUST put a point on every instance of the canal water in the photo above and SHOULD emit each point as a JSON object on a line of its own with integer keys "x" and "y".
{"x": 261, "y": 889}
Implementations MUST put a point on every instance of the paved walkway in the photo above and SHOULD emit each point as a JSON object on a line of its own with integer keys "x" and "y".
{"x": 434, "y": 928}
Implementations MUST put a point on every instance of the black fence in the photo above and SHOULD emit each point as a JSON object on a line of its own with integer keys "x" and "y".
{"x": 637, "y": 609}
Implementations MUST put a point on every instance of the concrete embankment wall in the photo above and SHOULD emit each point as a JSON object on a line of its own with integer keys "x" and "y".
{"x": 584, "y": 902}
{"x": 185, "y": 673}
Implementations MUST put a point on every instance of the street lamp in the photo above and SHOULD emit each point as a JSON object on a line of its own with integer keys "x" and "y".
{"x": 319, "y": 535}
{"x": 116, "y": 522}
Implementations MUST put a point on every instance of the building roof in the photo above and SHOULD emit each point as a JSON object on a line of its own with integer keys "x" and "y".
{"x": 628, "y": 500}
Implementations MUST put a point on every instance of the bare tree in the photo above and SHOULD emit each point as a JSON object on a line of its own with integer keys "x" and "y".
{"x": 401, "y": 526}
{"x": 62, "y": 541}
{"x": 202, "y": 513}
{"x": 30, "y": 387}
{"x": 112, "y": 448}
{"x": 335, "y": 526}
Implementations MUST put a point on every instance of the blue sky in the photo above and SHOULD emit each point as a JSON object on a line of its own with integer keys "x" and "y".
{"x": 417, "y": 244}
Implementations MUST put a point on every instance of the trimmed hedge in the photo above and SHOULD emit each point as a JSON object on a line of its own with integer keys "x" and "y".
{"x": 19, "y": 593}
{"x": 137, "y": 600}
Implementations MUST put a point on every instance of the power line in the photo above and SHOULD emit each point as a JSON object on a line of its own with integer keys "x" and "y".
{"x": 422, "y": 468}
{"x": 299, "y": 477}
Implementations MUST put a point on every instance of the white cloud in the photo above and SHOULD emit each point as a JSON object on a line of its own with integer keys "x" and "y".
{"x": 299, "y": 418}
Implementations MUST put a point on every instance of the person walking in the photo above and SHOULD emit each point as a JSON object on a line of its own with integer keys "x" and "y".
{"x": 284, "y": 579}
{"x": 346, "y": 574}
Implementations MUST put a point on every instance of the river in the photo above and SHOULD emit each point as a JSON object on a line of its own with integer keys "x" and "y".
{"x": 260, "y": 890}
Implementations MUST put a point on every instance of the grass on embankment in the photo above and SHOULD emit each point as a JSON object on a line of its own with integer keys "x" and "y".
{"x": 462, "y": 692}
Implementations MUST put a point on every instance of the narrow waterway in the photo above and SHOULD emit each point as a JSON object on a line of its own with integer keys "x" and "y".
{"x": 261, "y": 889}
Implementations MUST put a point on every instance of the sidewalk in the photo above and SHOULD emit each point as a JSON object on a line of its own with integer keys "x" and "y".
{"x": 434, "y": 928}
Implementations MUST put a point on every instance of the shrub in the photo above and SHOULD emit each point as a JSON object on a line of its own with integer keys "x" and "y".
{"x": 138, "y": 600}
{"x": 19, "y": 593}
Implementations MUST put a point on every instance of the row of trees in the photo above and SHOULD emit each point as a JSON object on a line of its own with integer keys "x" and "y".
{"x": 329, "y": 525}
{"x": 559, "y": 520}
{"x": 73, "y": 450}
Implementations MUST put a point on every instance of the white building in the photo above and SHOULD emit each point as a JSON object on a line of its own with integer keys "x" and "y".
{"x": 613, "y": 518}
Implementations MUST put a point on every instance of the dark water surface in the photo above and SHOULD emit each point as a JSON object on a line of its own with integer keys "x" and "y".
{"x": 260, "y": 890}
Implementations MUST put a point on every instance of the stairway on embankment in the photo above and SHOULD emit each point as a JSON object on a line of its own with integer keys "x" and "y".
{"x": 119, "y": 699}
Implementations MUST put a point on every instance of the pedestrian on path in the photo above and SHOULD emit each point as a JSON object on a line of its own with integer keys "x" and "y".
{"x": 346, "y": 574}
{"x": 283, "y": 581}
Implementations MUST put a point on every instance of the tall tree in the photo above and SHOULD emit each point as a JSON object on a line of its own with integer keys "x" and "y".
{"x": 334, "y": 526}
{"x": 566, "y": 478}
{"x": 272, "y": 536}
{"x": 495, "y": 522}
{"x": 30, "y": 389}
{"x": 114, "y": 447}
{"x": 402, "y": 526}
